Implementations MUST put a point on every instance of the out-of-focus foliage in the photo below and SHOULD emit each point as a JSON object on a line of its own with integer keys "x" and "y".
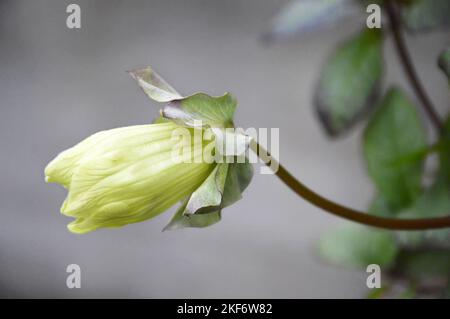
{"x": 421, "y": 264}
{"x": 359, "y": 246}
{"x": 390, "y": 151}
{"x": 426, "y": 15}
{"x": 434, "y": 201}
{"x": 302, "y": 16}
{"x": 444, "y": 61}
{"x": 417, "y": 263}
{"x": 350, "y": 81}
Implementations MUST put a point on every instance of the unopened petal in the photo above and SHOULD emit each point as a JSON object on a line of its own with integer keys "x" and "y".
{"x": 60, "y": 169}
{"x": 130, "y": 175}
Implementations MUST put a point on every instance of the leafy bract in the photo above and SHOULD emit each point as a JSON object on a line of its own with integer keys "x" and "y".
{"x": 223, "y": 187}
{"x": 154, "y": 85}
{"x": 202, "y": 109}
{"x": 228, "y": 179}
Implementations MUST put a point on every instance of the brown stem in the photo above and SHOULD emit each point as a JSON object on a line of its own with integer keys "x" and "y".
{"x": 343, "y": 211}
{"x": 408, "y": 66}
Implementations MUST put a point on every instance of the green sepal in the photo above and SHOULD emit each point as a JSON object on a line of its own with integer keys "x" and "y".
{"x": 154, "y": 85}
{"x": 183, "y": 220}
{"x": 238, "y": 178}
{"x": 186, "y": 110}
{"x": 205, "y": 200}
{"x": 200, "y": 107}
{"x": 223, "y": 187}
{"x": 227, "y": 181}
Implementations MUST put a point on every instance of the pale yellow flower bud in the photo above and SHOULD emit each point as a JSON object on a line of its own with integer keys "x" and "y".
{"x": 125, "y": 175}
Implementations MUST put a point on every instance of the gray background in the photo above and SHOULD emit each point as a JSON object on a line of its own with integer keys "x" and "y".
{"x": 57, "y": 86}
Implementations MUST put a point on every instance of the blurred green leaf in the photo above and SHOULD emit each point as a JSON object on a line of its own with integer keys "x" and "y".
{"x": 426, "y": 15}
{"x": 358, "y": 246}
{"x": 444, "y": 61}
{"x": 434, "y": 202}
{"x": 446, "y": 292}
{"x": 409, "y": 293}
{"x": 394, "y": 131}
{"x": 419, "y": 264}
{"x": 378, "y": 293}
{"x": 380, "y": 207}
{"x": 301, "y": 16}
{"x": 444, "y": 151}
{"x": 349, "y": 83}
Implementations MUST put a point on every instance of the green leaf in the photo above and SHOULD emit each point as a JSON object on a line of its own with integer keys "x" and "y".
{"x": 349, "y": 83}
{"x": 408, "y": 293}
{"x": 154, "y": 85}
{"x": 420, "y": 264}
{"x": 444, "y": 151}
{"x": 378, "y": 293}
{"x": 392, "y": 292}
{"x": 301, "y": 16}
{"x": 434, "y": 202}
{"x": 426, "y": 15}
{"x": 207, "y": 110}
{"x": 395, "y": 131}
{"x": 446, "y": 292}
{"x": 444, "y": 62}
{"x": 358, "y": 246}
{"x": 380, "y": 207}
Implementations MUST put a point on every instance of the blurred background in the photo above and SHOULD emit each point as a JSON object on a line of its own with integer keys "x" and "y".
{"x": 58, "y": 86}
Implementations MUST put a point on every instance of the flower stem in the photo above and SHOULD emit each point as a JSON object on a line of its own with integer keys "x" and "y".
{"x": 408, "y": 66}
{"x": 343, "y": 211}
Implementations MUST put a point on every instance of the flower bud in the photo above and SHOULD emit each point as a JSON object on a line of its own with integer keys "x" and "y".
{"x": 125, "y": 175}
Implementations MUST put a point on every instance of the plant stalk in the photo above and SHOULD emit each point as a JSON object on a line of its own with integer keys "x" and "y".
{"x": 343, "y": 211}
{"x": 408, "y": 66}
